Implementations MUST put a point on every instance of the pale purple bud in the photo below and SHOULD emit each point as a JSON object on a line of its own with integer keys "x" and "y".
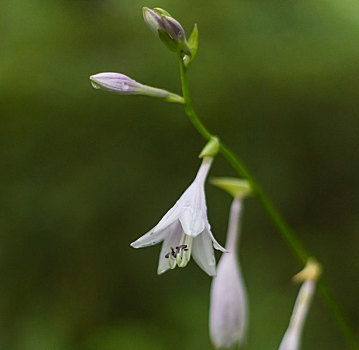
{"x": 153, "y": 20}
{"x": 115, "y": 82}
{"x": 229, "y": 304}
{"x": 123, "y": 85}
{"x": 174, "y": 29}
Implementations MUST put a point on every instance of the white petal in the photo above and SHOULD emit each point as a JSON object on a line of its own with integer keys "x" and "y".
{"x": 203, "y": 254}
{"x": 228, "y": 311}
{"x": 192, "y": 222}
{"x": 171, "y": 240}
{"x": 171, "y": 216}
{"x": 153, "y": 237}
{"x": 216, "y": 245}
{"x": 290, "y": 340}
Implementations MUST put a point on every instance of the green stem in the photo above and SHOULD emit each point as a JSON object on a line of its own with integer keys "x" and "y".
{"x": 285, "y": 231}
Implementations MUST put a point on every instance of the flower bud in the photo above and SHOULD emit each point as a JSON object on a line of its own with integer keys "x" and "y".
{"x": 118, "y": 83}
{"x": 153, "y": 20}
{"x": 229, "y": 305}
{"x": 124, "y": 85}
{"x": 170, "y": 31}
{"x": 174, "y": 29}
{"x": 309, "y": 275}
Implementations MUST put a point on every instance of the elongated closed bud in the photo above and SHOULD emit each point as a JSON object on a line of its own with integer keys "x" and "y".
{"x": 124, "y": 85}
{"x": 309, "y": 276}
{"x": 229, "y": 304}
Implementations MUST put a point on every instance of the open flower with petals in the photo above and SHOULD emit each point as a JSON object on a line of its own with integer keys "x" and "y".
{"x": 185, "y": 230}
{"x": 229, "y": 305}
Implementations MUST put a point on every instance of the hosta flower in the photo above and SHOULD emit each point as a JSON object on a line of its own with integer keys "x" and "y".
{"x": 229, "y": 305}
{"x": 291, "y": 339}
{"x": 123, "y": 85}
{"x": 185, "y": 230}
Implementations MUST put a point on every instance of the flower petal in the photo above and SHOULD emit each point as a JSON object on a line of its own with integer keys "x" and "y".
{"x": 192, "y": 222}
{"x": 216, "y": 245}
{"x": 172, "y": 239}
{"x": 290, "y": 340}
{"x": 153, "y": 237}
{"x": 203, "y": 254}
{"x": 170, "y": 217}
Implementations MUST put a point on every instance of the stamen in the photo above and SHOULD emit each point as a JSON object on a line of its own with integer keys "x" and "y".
{"x": 172, "y": 262}
{"x": 182, "y": 254}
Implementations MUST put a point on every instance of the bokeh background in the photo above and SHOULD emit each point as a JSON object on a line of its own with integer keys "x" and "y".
{"x": 83, "y": 172}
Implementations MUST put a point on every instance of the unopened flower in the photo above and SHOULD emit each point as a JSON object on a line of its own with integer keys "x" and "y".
{"x": 168, "y": 29}
{"x": 174, "y": 28}
{"x": 124, "y": 85}
{"x": 153, "y": 20}
{"x": 229, "y": 305}
{"x": 309, "y": 275}
{"x": 185, "y": 230}
{"x": 159, "y": 19}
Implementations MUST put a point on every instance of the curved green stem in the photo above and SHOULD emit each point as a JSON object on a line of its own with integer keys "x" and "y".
{"x": 285, "y": 231}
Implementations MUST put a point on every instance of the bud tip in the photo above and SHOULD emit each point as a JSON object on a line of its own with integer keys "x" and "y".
{"x": 211, "y": 148}
{"x": 238, "y": 188}
{"x": 311, "y": 271}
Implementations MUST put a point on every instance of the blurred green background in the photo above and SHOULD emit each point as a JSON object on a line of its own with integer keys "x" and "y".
{"x": 84, "y": 172}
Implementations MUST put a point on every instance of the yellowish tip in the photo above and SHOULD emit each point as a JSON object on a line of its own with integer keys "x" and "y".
{"x": 211, "y": 148}
{"x": 311, "y": 271}
{"x": 238, "y": 188}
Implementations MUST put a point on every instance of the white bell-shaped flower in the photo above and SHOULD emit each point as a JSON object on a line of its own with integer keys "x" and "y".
{"x": 185, "y": 230}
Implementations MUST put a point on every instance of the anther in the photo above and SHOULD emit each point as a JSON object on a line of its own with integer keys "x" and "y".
{"x": 179, "y": 255}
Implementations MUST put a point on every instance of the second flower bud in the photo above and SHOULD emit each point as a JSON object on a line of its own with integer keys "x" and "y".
{"x": 167, "y": 29}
